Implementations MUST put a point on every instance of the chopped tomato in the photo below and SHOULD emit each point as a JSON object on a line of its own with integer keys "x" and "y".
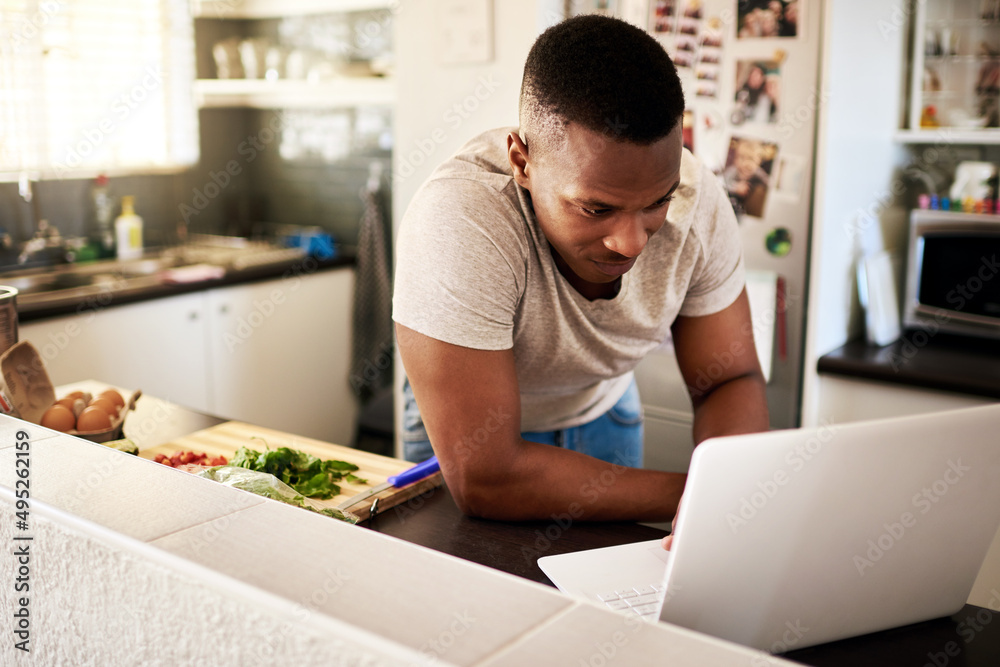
{"x": 183, "y": 458}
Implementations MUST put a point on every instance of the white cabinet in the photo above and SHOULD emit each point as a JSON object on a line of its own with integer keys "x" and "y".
{"x": 844, "y": 399}
{"x": 158, "y": 346}
{"x": 281, "y": 354}
{"x": 274, "y": 353}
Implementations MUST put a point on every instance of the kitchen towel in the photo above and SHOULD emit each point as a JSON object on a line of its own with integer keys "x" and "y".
{"x": 371, "y": 363}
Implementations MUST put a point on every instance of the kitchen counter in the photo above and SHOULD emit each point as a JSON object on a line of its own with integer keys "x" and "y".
{"x": 117, "y": 283}
{"x": 942, "y": 362}
{"x": 181, "y": 570}
{"x": 132, "y": 562}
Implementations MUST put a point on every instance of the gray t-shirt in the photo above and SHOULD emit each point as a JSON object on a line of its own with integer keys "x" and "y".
{"x": 474, "y": 269}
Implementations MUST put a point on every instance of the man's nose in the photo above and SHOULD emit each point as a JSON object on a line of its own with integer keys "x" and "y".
{"x": 628, "y": 236}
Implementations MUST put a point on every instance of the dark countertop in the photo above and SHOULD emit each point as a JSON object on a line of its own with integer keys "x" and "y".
{"x": 64, "y": 302}
{"x": 433, "y": 520}
{"x": 942, "y": 362}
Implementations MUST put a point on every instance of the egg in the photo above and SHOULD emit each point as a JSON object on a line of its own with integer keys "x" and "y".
{"x": 58, "y": 418}
{"x": 93, "y": 418}
{"x": 76, "y": 405}
{"x": 105, "y": 404}
{"x": 79, "y": 394}
{"x": 113, "y": 396}
{"x": 68, "y": 402}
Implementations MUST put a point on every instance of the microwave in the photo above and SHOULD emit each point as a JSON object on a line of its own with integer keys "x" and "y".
{"x": 953, "y": 273}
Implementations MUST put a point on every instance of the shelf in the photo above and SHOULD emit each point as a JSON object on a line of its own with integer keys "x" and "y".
{"x": 950, "y": 22}
{"x": 956, "y": 58}
{"x": 262, "y": 94}
{"x": 265, "y": 9}
{"x": 949, "y": 135}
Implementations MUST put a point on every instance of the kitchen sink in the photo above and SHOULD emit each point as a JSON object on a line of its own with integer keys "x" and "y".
{"x": 46, "y": 282}
{"x": 69, "y": 281}
{"x": 75, "y": 276}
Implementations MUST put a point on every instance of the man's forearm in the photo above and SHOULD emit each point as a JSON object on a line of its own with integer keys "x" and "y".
{"x": 737, "y": 406}
{"x": 546, "y": 482}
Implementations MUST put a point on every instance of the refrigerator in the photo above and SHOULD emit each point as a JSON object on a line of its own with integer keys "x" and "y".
{"x": 750, "y": 72}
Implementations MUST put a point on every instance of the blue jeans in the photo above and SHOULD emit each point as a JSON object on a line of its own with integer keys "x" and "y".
{"x": 615, "y": 436}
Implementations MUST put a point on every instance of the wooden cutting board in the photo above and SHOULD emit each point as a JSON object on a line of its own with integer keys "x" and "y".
{"x": 224, "y": 439}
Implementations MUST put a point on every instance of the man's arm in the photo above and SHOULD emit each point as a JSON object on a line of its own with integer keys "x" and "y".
{"x": 718, "y": 360}
{"x": 470, "y": 404}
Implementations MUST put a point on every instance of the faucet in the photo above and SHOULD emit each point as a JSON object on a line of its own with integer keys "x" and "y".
{"x": 44, "y": 236}
{"x": 27, "y": 194}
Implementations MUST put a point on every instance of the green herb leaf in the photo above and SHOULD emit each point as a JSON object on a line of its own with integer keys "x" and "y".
{"x": 307, "y": 474}
{"x": 318, "y": 486}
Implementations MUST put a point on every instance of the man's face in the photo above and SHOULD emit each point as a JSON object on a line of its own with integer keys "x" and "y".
{"x": 598, "y": 200}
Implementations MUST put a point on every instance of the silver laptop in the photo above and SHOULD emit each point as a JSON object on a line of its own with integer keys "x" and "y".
{"x": 793, "y": 538}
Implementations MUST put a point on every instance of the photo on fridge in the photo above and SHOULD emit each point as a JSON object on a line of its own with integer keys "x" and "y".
{"x": 747, "y": 175}
{"x": 767, "y": 18}
{"x": 758, "y": 91}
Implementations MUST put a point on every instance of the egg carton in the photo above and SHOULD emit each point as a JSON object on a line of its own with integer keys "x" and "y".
{"x": 26, "y": 392}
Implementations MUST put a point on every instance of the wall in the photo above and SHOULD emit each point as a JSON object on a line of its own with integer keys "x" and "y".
{"x": 856, "y": 164}
{"x": 135, "y": 606}
{"x": 441, "y": 107}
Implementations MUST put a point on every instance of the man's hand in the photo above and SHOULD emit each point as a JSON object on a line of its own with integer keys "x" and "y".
{"x": 471, "y": 406}
{"x": 668, "y": 541}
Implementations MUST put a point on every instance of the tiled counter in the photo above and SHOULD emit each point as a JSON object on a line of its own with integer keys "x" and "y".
{"x": 132, "y": 562}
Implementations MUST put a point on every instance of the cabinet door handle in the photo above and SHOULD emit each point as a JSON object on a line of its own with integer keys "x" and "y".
{"x": 224, "y": 308}
{"x": 193, "y": 315}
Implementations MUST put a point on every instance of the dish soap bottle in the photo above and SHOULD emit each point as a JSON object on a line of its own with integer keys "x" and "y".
{"x": 128, "y": 231}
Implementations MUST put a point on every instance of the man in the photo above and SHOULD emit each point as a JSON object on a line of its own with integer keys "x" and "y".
{"x": 537, "y": 267}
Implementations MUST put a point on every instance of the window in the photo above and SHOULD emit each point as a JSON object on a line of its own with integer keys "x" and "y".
{"x": 96, "y": 85}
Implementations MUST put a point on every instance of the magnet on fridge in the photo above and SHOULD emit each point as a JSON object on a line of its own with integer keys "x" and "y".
{"x": 778, "y": 242}
{"x": 711, "y": 120}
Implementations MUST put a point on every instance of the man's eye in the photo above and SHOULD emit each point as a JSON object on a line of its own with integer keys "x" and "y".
{"x": 663, "y": 202}
{"x": 595, "y": 212}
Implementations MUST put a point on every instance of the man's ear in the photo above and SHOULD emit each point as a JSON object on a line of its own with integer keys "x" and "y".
{"x": 517, "y": 154}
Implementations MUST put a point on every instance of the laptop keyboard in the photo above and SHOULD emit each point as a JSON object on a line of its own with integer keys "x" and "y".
{"x": 642, "y": 600}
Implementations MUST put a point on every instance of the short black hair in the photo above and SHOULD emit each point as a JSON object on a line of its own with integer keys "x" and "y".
{"x": 603, "y": 73}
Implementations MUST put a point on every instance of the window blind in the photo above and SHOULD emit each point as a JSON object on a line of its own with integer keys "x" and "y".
{"x": 96, "y": 85}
